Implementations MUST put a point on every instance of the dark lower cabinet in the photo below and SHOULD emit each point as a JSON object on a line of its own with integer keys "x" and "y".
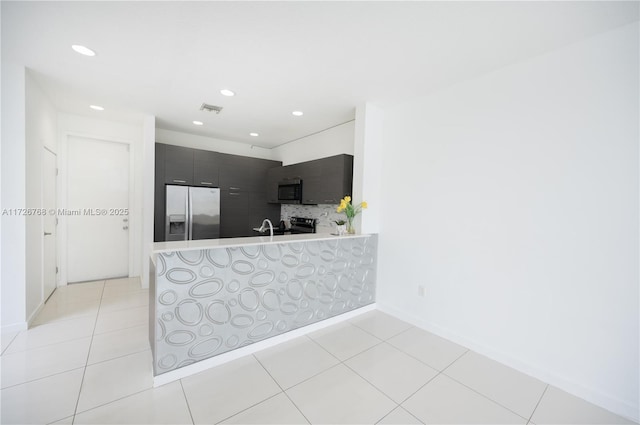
{"x": 259, "y": 209}
{"x": 240, "y": 212}
{"x": 234, "y": 214}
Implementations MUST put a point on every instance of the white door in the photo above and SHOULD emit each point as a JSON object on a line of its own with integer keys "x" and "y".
{"x": 49, "y": 270}
{"x": 98, "y": 202}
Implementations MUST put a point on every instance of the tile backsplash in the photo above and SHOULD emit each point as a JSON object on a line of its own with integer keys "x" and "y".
{"x": 325, "y": 213}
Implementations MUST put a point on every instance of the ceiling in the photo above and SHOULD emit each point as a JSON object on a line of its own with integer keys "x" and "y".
{"x": 322, "y": 58}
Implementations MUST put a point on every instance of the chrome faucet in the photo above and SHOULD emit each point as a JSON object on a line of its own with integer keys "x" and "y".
{"x": 262, "y": 228}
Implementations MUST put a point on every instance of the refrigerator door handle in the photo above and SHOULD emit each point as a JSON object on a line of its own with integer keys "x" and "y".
{"x": 190, "y": 214}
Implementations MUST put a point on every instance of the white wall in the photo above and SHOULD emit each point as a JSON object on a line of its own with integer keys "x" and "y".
{"x": 210, "y": 144}
{"x": 367, "y": 163}
{"x": 41, "y": 120}
{"x": 522, "y": 189}
{"x": 13, "y": 196}
{"x": 333, "y": 141}
{"x": 97, "y": 128}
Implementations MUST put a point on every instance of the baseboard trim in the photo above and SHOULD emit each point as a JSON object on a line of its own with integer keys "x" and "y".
{"x": 612, "y": 404}
{"x": 203, "y": 365}
{"x": 33, "y": 315}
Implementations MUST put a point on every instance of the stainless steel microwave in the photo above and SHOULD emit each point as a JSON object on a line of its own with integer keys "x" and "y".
{"x": 290, "y": 191}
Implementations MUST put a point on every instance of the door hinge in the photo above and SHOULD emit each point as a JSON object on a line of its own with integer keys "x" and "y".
{"x": 56, "y": 171}
{"x": 56, "y": 269}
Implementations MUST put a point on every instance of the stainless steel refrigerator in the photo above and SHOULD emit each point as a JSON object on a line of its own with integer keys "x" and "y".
{"x": 192, "y": 213}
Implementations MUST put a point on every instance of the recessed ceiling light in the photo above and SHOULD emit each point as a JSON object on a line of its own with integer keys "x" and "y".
{"x": 83, "y": 50}
{"x": 198, "y": 123}
{"x": 96, "y": 107}
{"x": 254, "y": 134}
{"x": 297, "y": 113}
{"x": 227, "y": 92}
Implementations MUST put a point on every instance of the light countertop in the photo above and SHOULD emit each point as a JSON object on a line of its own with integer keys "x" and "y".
{"x": 173, "y": 246}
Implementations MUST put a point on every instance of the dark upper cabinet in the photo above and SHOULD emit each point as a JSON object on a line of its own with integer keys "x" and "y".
{"x": 193, "y": 167}
{"x": 274, "y": 176}
{"x": 232, "y": 173}
{"x": 313, "y": 181}
{"x": 294, "y": 171}
{"x": 337, "y": 176}
{"x": 206, "y": 167}
{"x": 244, "y": 173}
{"x": 243, "y": 195}
{"x": 324, "y": 181}
{"x": 178, "y": 165}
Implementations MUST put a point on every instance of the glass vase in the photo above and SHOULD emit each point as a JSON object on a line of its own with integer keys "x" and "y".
{"x": 350, "y": 229}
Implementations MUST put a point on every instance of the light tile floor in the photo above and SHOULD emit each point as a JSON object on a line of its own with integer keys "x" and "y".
{"x": 87, "y": 361}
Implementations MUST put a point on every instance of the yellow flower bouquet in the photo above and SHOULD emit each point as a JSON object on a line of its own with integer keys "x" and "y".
{"x": 350, "y": 211}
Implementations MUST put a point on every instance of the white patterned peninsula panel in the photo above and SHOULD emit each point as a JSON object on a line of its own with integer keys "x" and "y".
{"x": 209, "y": 301}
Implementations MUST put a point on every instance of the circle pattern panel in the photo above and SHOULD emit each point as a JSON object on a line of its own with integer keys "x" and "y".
{"x": 213, "y": 301}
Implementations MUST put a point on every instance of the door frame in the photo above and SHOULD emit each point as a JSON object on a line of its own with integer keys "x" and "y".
{"x": 57, "y": 257}
{"x": 63, "y": 198}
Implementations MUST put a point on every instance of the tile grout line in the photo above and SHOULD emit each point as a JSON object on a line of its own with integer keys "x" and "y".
{"x": 67, "y": 319}
{"x": 59, "y": 373}
{"x": 72, "y": 416}
{"x": 400, "y": 407}
{"x": 380, "y": 341}
{"x": 41, "y": 377}
{"x": 376, "y": 387}
{"x": 383, "y": 339}
{"x": 112, "y": 401}
{"x": 10, "y": 342}
{"x": 537, "y": 404}
{"x": 123, "y": 329}
{"x": 282, "y": 389}
{"x": 246, "y": 408}
{"x": 95, "y": 324}
{"x": 46, "y": 345}
{"x": 186, "y": 400}
{"x": 118, "y": 357}
{"x": 103, "y": 361}
{"x": 440, "y": 372}
{"x": 322, "y": 371}
{"x": 478, "y": 392}
{"x": 343, "y": 362}
{"x": 313, "y": 376}
{"x": 461, "y": 383}
{"x": 430, "y": 380}
{"x": 455, "y": 360}
{"x": 425, "y": 363}
{"x": 483, "y": 395}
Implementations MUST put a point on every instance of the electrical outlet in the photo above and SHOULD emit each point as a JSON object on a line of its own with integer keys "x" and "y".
{"x": 420, "y": 291}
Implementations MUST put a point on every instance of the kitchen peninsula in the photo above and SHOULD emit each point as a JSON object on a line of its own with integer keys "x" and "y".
{"x": 209, "y": 297}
